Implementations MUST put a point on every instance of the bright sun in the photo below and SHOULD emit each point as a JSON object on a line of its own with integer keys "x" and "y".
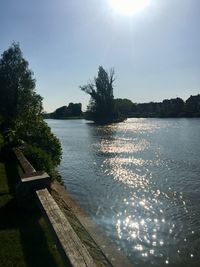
{"x": 128, "y": 7}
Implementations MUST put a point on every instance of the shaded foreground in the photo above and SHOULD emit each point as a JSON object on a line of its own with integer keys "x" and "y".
{"x": 25, "y": 238}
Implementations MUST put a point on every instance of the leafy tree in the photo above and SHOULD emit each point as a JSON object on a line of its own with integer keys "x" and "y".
{"x": 101, "y": 107}
{"x": 124, "y": 106}
{"x": 64, "y": 112}
{"x": 60, "y": 113}
{"x": 21, "y": 107}
{"x": 17, "y": 87}
{"x": 74, "y": 109}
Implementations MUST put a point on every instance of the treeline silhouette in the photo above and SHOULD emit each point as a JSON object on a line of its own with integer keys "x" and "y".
{"x": 73, "y": 110}
{"x": 125, "y": 108}
{"x": 173, "y": 108}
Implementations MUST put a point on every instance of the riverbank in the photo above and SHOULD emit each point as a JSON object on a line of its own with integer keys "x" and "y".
{"x": 63, "y": 118}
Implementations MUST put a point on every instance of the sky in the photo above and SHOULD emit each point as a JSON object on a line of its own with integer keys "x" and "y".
{"x": 154, "y": 51}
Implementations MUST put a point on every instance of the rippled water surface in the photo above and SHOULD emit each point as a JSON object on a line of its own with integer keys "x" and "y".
{"x": 140, "y": 180}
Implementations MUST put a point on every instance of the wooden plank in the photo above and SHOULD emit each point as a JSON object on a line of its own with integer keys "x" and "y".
{"x": 36, "y": 176}
{"x": 25, "y": 164}
{"x": 31, "y": 180}
{"x": 68, "y": 241}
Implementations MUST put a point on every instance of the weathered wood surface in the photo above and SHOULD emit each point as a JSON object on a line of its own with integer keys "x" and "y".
{"x": 30, "y": 181}
{"x": 30, "y": 174}
{"x": 34, "y": 176}
{"x": 24, "y": 163}
{"x": 68, "y": 243}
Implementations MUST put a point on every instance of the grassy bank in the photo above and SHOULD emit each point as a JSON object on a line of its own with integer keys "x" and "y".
{"x": 24, "y": 237}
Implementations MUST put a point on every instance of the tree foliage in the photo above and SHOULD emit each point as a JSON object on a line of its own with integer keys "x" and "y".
{"x": 18, "y": 97}
{"x": 192, "y": 106}
{"x": 101, "y": 107}
{"x": 73, "y": 110}
{"x": 21, "y": 109}
{"x": 168, "y": 108}
{"x": 124, "y": 107}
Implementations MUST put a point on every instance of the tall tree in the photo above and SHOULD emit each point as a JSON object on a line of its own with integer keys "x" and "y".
{"x": 101, "y": 107}
{"x": 21, "y": 107}
{"x": 17, "y": 87}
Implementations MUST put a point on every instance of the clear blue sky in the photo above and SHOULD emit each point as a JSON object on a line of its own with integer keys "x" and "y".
{"x": 155, "y": 53}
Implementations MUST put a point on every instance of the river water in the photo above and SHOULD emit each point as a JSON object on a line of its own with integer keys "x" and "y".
{"x": 140, "y": 181}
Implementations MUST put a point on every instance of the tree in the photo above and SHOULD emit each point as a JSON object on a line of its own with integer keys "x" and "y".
{"x": 73, "y": 110}
{"x": 21, "y": 107}
{"x": 17, "y": 87}
{"x": 124, "y": 106}
{"x": 101, "y": 107}
{"x": 192, "y": 106}
{"x": 60, "y": 113}
{"x": 172, "y": 107}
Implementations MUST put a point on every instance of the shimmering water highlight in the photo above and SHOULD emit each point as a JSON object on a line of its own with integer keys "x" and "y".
{"x": 139, "y": 181}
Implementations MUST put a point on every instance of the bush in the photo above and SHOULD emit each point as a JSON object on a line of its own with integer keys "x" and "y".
{"x": 39, "y": 135}
{"x": 39, "y": 159}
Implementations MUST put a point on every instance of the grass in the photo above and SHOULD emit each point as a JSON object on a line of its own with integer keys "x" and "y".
{"x": 24, "y": 236}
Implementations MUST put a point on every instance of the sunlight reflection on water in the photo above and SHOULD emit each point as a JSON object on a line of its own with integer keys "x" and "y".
{"x": 143, "y": 219}
{"x": 145, "y": 187}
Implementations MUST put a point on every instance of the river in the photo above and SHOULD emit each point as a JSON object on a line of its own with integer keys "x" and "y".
{"x": 140, "y": 181}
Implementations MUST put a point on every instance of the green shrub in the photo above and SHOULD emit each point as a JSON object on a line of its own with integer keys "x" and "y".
{"x": 39, "y": 135}
{"x": 39, "y": 159}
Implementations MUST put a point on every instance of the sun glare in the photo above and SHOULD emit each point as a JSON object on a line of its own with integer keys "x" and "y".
{"x": 128, "y": 7}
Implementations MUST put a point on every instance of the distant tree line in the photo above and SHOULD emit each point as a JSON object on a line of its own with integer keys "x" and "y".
{"x": 103, "y": 108}
{"x": 174, "y": 107}
{"x": 73, "y": 110}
